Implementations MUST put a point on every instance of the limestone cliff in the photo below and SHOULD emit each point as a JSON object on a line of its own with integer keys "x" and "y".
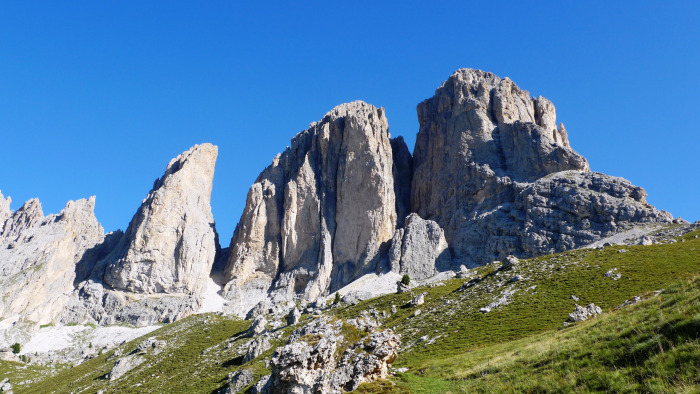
{"x": 171, "y": 243}
{"x": 320, "y": 215}
{"x": 38, "y": 256}
{"x": 481, "y": 145}
{"x": 419, "y": 249}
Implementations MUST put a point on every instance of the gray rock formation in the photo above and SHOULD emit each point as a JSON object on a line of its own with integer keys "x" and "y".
{"x": 6, "y": 386}
{"x": 238, "y": 381}
{"x": 509, "y": 262}
{"x": 419, "y": 249}
{"x": 256, "y": 347}
{"x": 293, "y": 316}
{"x": 258, "y": 327}
{"x": 571, "y": 209}
{"x": 488, "y": 165}
{"x": 5, "y": 211}
{"x": 320, "y": 215}
{"x": 582, "y": 313}
{"x": 38, "y": 256}
{"x": 168, "y": 250}
{"x": 124, "y": 365}
{"x": 309, "y": 363}
{"x": 171, "y": 242}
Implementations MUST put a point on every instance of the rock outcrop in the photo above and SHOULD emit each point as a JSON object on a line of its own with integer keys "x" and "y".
{"x": 487, "y": 168}
{"x": 170, "y": 244}
{"x": 582, "y": 313}
{"x": 38, "y": 256}
{"x": 311, "y": 363}
{"x": 419, "y": 249}
{"x": 157, "y": 270}
{"x": 320, "y": 216}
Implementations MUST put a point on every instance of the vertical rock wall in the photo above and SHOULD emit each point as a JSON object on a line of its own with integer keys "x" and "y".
{"x": 482, "y": 144}
{"x": 170, "y": 244}
{"x": 320, "y": 215}
{"x": 38, "y": 255}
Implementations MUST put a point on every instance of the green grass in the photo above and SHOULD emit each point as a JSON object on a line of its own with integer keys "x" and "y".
{"x": 195, "y": 360}
{"x": 652, "y": 346}
{"x": 452, "y": 347}
{"x": 461, "y": 328}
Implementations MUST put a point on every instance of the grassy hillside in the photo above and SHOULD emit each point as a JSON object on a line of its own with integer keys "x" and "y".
{"x": 651, "y": 346}
{"x": 450, "y": 346}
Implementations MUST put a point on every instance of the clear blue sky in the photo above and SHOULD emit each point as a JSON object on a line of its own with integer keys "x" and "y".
{"x": 97, "y": 97}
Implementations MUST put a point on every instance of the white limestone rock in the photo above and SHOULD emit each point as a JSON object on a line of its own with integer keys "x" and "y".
{"x": 317, "y": 218}
{"x": 39, "y": 254}
{"x": 312, "y": 366}
{"x": 257, "y": 347}
{"x": 171, "y": 243}
{"x": 420, "y": 249}
{"x": 494, "y": 171}
{"x": 582, "y": 313}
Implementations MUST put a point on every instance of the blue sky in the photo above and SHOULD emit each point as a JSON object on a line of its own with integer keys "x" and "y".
{"x": 97, "y": 97}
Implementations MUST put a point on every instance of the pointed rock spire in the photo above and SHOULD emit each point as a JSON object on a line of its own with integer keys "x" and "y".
{"x": 317, "y": 218}
{"x": 171, "y": 243}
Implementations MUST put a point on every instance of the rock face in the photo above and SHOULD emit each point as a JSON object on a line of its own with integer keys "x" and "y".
{"x": 170, "y": 244}
{"x": 168, "y": 250}
{"x": 572, "y": 209}
{"x": 487, "y": 168}
{"x": 38, "y": 256}
{"x": 403, "y": 174}
{"x": 320, "y": 215}
{"x": 419, "y": 249}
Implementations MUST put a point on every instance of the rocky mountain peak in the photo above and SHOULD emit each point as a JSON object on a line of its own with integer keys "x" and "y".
{"x": 24, "y": 218}
{"x": 317, "y": 218}
{"x": 482, "y": 141}
{"x": 38, "y": 256}
{"x": 170, "y": 244}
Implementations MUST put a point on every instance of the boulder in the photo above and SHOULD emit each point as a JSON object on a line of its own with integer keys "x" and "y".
{"x": 125, "y": 364}
{"x": 418, "y": 300}
{"x": 238, "y": 380}
{"x": 509, "y": 262}
{"x": 293, "y": 316}
{"x": 256, "y": 347}
{"x": 419, "y": 249}
{"x": 258, "y": 327}
{"x": 582, "y": 313}
{"x": 309, "y": 363}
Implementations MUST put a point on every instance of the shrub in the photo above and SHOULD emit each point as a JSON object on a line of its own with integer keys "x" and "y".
{"x": 16, "y": 348}
{"x": 405, "y": 279}
{"x": 337, "y": 298}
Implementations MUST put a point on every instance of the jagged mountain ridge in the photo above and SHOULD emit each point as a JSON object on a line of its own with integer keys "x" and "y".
{"x": 491, "y": 175}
